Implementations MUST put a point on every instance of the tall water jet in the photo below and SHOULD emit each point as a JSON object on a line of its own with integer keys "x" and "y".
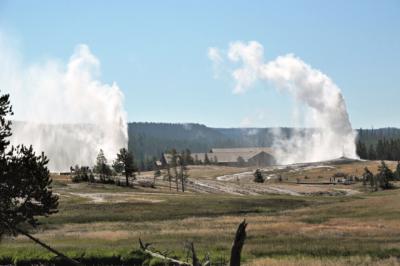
{"x": 329, "y": 134}
{"x": 61, "y": 109}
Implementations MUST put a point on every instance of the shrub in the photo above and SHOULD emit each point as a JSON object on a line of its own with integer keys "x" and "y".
{"x": 258, "y": 177}
{"x": 81, "y": 174}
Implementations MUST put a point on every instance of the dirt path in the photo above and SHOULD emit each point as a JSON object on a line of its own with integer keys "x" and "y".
{"x": 112, "y": 197}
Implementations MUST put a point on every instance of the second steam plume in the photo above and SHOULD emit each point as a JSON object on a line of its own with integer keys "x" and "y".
{"x": 63, "y": 109}
{"x": 329, "y": 134}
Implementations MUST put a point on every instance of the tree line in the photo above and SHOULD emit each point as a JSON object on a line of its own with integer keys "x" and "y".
{"x": 385, "y": 149}
{"x": 174, "y": 170}
{"x": 102, "y": 172}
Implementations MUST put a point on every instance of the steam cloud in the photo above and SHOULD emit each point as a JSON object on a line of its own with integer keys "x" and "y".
{"x": 63, "y": 110}
{"x": 330, "y": 135}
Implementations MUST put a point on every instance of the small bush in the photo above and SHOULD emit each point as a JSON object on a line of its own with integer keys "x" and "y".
{"x": 258, "y": 177}
{"x": 81, "y": 174}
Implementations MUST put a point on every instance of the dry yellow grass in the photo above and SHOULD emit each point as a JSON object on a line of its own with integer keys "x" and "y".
{"x": 355, "y": 168}
{"x": 306, "y": 261}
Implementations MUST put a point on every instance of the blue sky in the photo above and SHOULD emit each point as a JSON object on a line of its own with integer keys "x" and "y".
{"x": 156, "y": 51}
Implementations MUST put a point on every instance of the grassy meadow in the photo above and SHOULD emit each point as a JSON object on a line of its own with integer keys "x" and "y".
{"x": 361, "y": 229}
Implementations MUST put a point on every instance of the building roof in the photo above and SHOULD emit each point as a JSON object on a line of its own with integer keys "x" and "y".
{"x": 231, "y": 155}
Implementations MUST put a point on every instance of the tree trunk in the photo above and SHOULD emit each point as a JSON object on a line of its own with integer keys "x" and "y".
{"x": 238, "y": 243}
{"x": 195, "y": 260}
{"x": 169, "y": 177}
{"x": 127, "y": 180}
{"x": 176, "y": 179}
{"x": 37, "y": 241}
{"x": 182, "y": 179}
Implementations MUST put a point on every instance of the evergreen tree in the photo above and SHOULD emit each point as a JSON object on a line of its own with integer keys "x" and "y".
{"x": 362, "y": 150}
{"x": 25, "y": 185}
{"x": 126, "y": 160}
{"x": 206, "y": 159}
{"x": 258, "y": 177}
{"x": 81, "y": 174}
{"x": 188, "y": 159}
{"x": 371, "y": 153}
{"x": 368, "y": 177}
{"x": 118, "y": 167}
{"x": 384, "y": 150}
{"x": 397, "y": 173}
{"x": 384, "y": 176}
{"x": 102, "y": 167}
{"x": 380, "y": 150}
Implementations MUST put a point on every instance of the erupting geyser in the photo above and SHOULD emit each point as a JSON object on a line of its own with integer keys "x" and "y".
{"x": 63, "y": 110}
{"x": 330, "y": 134}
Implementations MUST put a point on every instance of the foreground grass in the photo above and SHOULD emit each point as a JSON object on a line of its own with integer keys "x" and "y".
{"x": 283, "y": 230}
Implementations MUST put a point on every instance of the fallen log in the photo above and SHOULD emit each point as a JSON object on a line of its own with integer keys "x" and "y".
{"x": 145, "y": 249}
{"x": 56, "y": 252}
{"x": 236, "y": 250}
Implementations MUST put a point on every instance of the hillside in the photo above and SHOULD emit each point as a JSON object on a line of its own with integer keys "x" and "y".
{"x": 372, "y": 136}
{"x": 148, "y": 140}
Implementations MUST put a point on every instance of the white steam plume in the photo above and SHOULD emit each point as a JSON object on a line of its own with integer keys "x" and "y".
{"x": 63, "y": 110}
{"x": 331, "y": 135}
